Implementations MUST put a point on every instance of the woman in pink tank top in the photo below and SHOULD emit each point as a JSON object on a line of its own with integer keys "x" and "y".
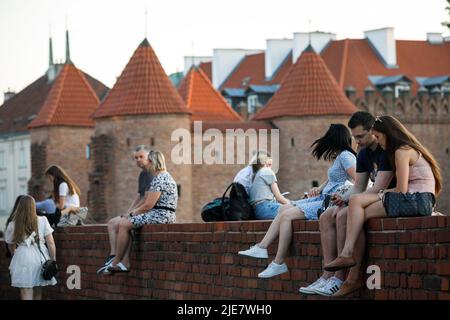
{"x": 418, "y": 179}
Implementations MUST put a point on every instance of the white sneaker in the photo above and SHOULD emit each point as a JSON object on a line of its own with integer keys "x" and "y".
{"x": 332, "y": 286}
{"x": 316, "y": 284}
{"x": 273, "y": 269}
{"x": 255, "y": 252}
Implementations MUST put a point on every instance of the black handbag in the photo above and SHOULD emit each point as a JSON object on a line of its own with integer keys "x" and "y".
{"x": 415, "y": 204}
{"x": 49, "y": 267}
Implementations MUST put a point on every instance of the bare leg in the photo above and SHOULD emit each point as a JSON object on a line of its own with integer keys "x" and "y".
{"x": 361, "y": 208}
{"x": 327, "y": 226}
{"x": 285, "y": 236}
{"x": 37, "y": 292}
{"x": 274, "y": 228}
{"x": 126, "y": 257}
{"x": 113, "y": 228}
{"x": 26, "y": 293}
{"x": 123, "y": 239}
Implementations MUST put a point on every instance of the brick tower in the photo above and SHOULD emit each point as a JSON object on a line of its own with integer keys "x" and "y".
{"x": 308, "y": 101}
{"x": 61, "y": 132}
{"x": 143, "y": 107}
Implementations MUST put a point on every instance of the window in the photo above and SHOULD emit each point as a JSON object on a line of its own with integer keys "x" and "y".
{"x": 229, "y": 101}
{"x": 23, "y": 189}
{"x": 401, "y": 88}
{"x": 252, "y": 102}
{"x": 2, "y": 199}
{"x": 88, "y": 152}
{"x": 2, "y": 160}
{"x": 22, "y": 158}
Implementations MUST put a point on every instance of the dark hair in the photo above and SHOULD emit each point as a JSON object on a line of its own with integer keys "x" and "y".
{"x": 335, "y": 140}
{"x": 397, "y": 136}
{"x": 60, "y": 176}
{"x": 361, "y": 118}
{"x": 11, "y": 218}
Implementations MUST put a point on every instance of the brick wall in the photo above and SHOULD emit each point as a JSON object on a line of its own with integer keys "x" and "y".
{"x": 199, "y": 261}
{"x": 63, "y": 146}
{"x": 155, "y": 132}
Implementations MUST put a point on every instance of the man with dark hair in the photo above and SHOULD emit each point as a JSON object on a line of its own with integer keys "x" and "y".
{"x": 370, "y": 165}
{"x": 145, "y": 178}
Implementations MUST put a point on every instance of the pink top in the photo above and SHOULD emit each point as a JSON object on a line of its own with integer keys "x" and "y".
{"x": 421, "y": 178}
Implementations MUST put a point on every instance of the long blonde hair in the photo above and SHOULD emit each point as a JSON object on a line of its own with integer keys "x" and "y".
{"x": 25, "y": 219}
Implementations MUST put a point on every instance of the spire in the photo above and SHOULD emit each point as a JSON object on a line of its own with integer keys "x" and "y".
{"x": 67, "y": 47}
{"x": 50, "y": 50}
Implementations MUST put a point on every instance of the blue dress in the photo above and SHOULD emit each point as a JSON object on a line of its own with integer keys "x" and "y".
{"x": 337, "y": 175}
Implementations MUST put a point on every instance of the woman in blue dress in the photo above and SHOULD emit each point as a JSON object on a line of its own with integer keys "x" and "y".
{"x": 334, "y": 146}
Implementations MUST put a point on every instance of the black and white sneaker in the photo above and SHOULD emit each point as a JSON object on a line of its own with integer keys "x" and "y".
{"x": 331, "y": 287}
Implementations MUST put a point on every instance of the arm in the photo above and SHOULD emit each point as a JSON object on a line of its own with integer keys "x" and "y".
{"x": 61, "y": 202}
{"x": 151, "y": 197}
{"x": 361, "y": 180}
{"x": 381, "y": 181}
{"x": 402, "y": 159}
{"x": 314, "y": 192}
{"x": 12, "y": 248}
{"x": 277, "y": 194}
{"x": 352, "y": 172}
{"x": 136, "y": 203}
{"x": 51, "y": 246}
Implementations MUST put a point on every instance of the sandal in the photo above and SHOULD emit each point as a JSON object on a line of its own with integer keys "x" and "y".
{"x": 120, "y": 267}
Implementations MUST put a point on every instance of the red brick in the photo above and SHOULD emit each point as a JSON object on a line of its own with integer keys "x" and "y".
{"x": 443, "y": 268}
{"x": 444, "y": 296}
{"x": 410, "y": 223}
{"x": 445, "y": 283}
{"x": 390, "y": 252}
{"x": 374, "y": 224}
{"x": 414, "y": 282}
{"x": 443, "y": 236}
{"x": 389, "y": 224}
{"x": 414, "y": 252}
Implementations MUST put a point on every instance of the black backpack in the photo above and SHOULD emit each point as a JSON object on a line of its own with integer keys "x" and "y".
{"x": 233, "y": 208}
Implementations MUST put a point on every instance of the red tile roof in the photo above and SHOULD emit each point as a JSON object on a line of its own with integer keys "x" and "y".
{"x": 207, "y": 69}
{"x": 142, "y": 88}
{"x": 352, "y": 61}
{"x": 244, "y": 125}
{"x": 251, "y": 68}
{"x": 17, "y": 112}
{"x": 70, "y": 102}
{"x": 308, "y": 89}
{"x": 205, "y": 102}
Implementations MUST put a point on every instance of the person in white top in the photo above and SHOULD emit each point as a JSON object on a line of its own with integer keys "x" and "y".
{"x": 65, "y": 195}
{"x": 245, "y": 175}
{"x": 26, "y": 236}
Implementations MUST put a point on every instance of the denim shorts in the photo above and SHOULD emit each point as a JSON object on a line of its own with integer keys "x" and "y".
{"x": 267, "y": 210}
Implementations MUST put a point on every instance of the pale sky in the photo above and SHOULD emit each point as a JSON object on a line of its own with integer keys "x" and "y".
{"x": 105, "y": 33}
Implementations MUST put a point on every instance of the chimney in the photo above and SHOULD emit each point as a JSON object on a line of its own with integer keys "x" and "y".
{"x": 224, "y": 62}
{"x": 190, "y": 61}
{"x": 435, "y": 38}
{"x": 243, "y": 110}
{"x": 318, "y": 40}
{"x": 276, "y": 51}
{"x": 383, "y": 42}
{"x": 350, "y": 92}
{"x": 8, "y": 95}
